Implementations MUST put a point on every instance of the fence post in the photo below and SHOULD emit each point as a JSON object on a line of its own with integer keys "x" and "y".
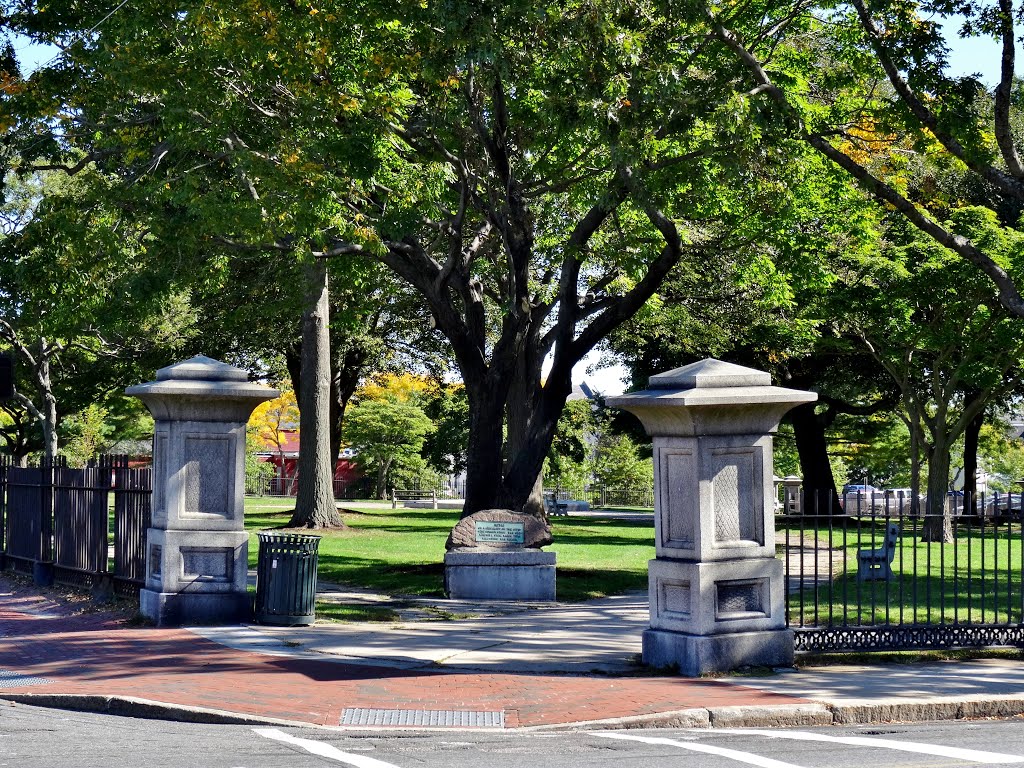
{"x": 5, "y": 463}
{"x": 42, "y": 567}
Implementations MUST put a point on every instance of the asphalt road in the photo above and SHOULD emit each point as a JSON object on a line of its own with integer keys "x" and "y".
{"x": 41, "y": 738}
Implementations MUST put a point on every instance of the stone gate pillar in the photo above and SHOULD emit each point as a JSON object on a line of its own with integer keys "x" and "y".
{"x": 791, "y": 485}
{"x": 197, "y": 547}
{"x": 716, "y": 588}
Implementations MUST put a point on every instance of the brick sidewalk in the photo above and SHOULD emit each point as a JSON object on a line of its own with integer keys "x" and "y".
{"x": 97, "y": 654}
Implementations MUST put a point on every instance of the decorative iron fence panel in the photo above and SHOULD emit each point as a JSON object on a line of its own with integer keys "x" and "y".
{"x": 133, "y": 510}
{"x": 28, "y": 520}
{"x": 5, "y": 465}
{"x": 80, "y": 518}
{"x": 58, "y": 518}
{"x": 880, "y": 575}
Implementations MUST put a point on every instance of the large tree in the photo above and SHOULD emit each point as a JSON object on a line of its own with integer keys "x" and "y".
{"x": 236, "y": 134}
{"x": 563, "y": 161}
{"x": 79, "y": 317}
{"x": 532, "y": 171}
{"x": 866, "y": 84}
{"x": 934, "y": 325}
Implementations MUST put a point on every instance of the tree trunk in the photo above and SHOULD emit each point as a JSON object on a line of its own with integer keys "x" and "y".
{"x": 938, "y": 524}
{"x": 520, "y": 412}
{"x": 381, "y": 492}
{"x": 47, "y": 412}
{"x": 483, "y": 454}
{"x": 915, "y": 466}
{"x": 314, "y": 505}
{"x": 819, "y": 485}
{"x": 971, "y": 435}
{"x": 346, "y": 370}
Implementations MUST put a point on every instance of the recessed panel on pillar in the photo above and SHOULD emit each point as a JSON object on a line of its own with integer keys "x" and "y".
{"x": 742, "y": 599}
{"x": 209, "y": 476}
{"x": 675, "y": 600}
{"x": 161, "y": 438}
{"x": 207, "y": 564}
{"x": 736, "y": 496}
{"x": 677, "y": 503}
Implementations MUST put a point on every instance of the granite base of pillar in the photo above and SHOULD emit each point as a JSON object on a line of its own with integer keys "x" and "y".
{"x": 696, "y": 655}
{"x": 489, "y": 575}
{"x": 175, "y": 609}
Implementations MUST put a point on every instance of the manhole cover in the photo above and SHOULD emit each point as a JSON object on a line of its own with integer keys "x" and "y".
{"x": 10, "y": 679}
{"x": 429, "y": 718}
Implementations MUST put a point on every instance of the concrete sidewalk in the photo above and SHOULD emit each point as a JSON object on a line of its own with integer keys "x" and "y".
{"x": 548, "y": 667}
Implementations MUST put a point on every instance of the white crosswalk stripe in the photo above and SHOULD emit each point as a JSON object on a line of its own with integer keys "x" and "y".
{"x": 937, "y": 750}
{"x": 322, "y": 750}
{"x": 733, "y": 754}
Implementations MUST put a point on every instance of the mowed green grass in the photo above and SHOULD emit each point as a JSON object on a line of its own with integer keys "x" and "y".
{"x": 401, "y": 551}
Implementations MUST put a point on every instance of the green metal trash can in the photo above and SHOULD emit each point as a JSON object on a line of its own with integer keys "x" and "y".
{"x": 286, "y": 579}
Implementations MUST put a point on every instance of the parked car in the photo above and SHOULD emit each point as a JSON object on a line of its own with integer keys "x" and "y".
{"x": 1002, "y": 503}
{"x": 867, "y": 490}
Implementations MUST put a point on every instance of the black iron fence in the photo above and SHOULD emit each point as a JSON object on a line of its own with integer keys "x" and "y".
{"x": 358, "y": 488}
{"x": 82, "y": 527}
{"x": 882, "y": 573}
{"x": 604, "y": 497}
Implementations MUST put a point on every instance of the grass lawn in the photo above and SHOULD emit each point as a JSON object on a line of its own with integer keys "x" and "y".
{"x": 976, "y": 578}
{"x": 401, "y": 551}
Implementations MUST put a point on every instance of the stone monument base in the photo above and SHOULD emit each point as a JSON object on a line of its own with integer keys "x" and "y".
{"x": 174, "y": 609}
{"x": 697, "y": 655}
{"x": 526, "y": 574}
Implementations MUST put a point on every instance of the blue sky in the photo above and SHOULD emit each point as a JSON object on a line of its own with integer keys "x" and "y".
{"x": 973, "y": 55}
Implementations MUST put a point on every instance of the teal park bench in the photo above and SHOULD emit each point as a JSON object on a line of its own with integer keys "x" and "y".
{"x": 876, "y": 564}
{"x": 553, "y": 507}
{"x": 398, "y": 495}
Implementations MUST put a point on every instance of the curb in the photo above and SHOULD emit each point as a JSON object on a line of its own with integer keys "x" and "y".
{"x": 145, "y": 709}
{"x": 771, "y": 716}
{"x": 972, "y": 708}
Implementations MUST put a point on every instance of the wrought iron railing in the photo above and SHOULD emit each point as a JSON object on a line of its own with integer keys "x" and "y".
{"x": 604, "y": 497}
{"x": 877, "y": 573}
{"x": 58, "y": 522}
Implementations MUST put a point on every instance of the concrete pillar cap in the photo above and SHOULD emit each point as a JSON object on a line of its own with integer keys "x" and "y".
{"x": 710, "y": 373}
{"x": 201, "y": 368}
{"x": 711, "y": 397}
{"x": 202, "y": 389}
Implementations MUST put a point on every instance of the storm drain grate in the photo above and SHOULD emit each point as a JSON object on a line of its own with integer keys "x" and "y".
{"x": 434, "y": 718}
{"x": 10, "y": 679}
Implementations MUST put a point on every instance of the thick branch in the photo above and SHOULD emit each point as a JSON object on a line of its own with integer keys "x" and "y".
{"x": 1004, "y": 136}
{"x": 631, "y": 302}
{"x": 995, "y": 176}
{"x": 1009, "y": 296}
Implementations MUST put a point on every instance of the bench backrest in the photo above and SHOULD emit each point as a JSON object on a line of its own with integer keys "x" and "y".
{"x": 892, "y": 536}
{"x": 550, "y": 504}
{"x": 399, "y": 493}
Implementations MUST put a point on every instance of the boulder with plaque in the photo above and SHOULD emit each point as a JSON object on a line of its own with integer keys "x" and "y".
{"x": 495, "y": 554}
